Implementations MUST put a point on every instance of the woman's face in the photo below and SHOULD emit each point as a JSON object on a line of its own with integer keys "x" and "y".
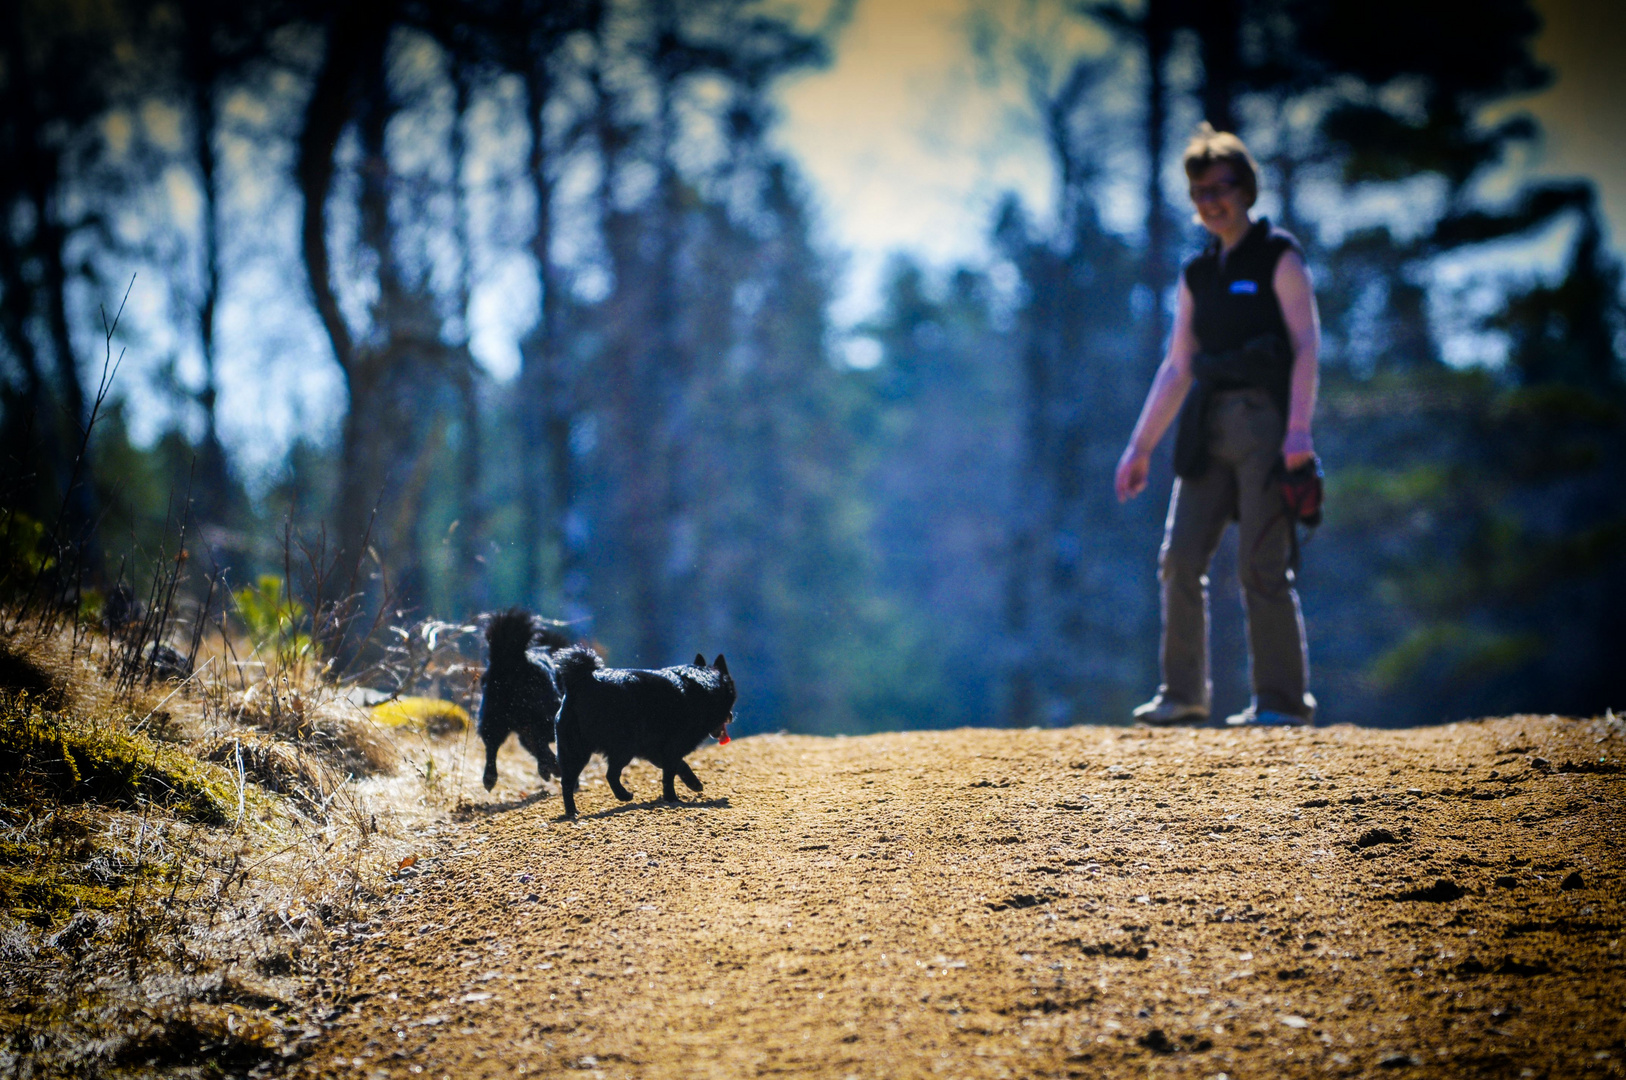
{"x": 1221, "y": 201}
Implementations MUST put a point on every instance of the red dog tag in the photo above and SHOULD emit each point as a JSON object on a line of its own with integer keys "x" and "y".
{"x": 725, "y": 740}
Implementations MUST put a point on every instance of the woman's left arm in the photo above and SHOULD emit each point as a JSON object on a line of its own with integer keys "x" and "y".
{"x": 1296, "y": 295}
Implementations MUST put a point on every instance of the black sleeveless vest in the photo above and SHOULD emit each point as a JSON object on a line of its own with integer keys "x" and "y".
{"x": 1235, "y": 304}
{"x": 1241, "y": 336}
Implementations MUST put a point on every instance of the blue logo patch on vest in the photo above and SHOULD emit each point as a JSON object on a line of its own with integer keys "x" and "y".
{"x": 1247, "y": 287}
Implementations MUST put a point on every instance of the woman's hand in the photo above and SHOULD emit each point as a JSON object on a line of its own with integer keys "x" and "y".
{"x": 1296, "y": 294}
{"x": 1296, "y": 449}
{"x": 1133, "y": 467}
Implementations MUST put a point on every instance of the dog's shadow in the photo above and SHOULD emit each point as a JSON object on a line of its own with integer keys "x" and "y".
{"x": 468, "y": 811}
{"x": 721, "y": 803}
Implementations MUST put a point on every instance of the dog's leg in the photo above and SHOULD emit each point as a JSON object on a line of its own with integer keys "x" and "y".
{"x": 668, "y": 792}
{"x": 571, "y": 763}
{"x": 536, "y": 742}
{"x": 490, "y": 777}
{"x": 618, "y": 763}
{"x": 687, "y": 775}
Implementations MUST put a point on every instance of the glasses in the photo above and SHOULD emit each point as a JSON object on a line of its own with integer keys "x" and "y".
{"x": 1214, "y": 189}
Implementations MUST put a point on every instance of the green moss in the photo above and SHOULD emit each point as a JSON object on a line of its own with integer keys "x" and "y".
{"x": 75, "y": 760}
{"x": 44, "y": 898}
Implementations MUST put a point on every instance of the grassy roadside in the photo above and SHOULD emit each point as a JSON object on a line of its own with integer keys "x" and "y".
{"x": 185, "y": 865}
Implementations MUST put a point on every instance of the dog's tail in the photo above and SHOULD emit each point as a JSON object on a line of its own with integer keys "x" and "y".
{"x": 575, "y": 665}
{"x": 508, "y": 636}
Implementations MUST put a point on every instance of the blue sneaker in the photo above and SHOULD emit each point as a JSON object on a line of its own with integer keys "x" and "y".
{"x": 1255, "y": 717}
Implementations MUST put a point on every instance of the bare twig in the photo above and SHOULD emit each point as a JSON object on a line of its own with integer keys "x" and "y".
{"x": 104, "y": 386}
{"x": 181, "y": 686}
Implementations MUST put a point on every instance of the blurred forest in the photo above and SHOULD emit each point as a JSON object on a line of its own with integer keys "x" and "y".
{"x": 682, "y": 460}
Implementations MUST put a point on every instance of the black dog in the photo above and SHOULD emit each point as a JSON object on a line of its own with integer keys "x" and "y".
{"x": 659, "y": 716}
{"x": 520, "y": 691}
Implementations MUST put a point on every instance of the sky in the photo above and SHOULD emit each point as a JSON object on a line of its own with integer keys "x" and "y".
{"x": 1584, "y": 111}
{"x": 907, "y": 148}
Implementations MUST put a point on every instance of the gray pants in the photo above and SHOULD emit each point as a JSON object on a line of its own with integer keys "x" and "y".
{"x": 1245, "y": 431}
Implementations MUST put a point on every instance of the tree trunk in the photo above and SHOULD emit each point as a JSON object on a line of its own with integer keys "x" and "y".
{"x": 1025, "y": 623}
{"x": 659, "y": 374}
{"x": 356, "y": 44}
{"x": 325, "y": 118}
{"x": 28, "y": 412}
{"x": 544, "y": 419}
{"x": 1158, "y": 29}
{"x": 79, "y": 507}
{"x": 470, "y": 586}
{"x": 1219, "y": 25}
{"x": 34, "y": 277}
{"x": 212, "y": 490}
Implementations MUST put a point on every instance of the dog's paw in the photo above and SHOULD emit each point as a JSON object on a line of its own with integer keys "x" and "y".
{"x": 489, "y": 779}
{"x": 624, "y": 795}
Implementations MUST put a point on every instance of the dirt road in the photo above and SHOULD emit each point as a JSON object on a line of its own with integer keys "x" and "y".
{"x": 1083, "y": 902}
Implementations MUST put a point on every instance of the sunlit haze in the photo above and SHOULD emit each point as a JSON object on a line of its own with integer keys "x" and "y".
{"x": 909, "y": 146}
{"x": 906, "y": 143}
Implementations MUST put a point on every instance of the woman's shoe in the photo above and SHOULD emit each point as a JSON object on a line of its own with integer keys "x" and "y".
{"x": 1252, "y": 717}
{"x": 1160, "y": 710}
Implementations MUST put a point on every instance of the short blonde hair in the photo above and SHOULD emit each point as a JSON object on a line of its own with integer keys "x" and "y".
{"x": 1208, "y": 148}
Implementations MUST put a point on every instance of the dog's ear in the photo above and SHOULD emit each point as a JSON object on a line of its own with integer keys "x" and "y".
{"x": 720, "y": 664}
{"x": 699, "y": 660}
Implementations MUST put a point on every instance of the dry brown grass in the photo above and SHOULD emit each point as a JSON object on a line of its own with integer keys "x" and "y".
{"x": 320, "y": 718}
{"x": 184, "y": 866}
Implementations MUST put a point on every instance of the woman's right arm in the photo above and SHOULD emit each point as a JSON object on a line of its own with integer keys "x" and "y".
{"x": 1163, "y": 401}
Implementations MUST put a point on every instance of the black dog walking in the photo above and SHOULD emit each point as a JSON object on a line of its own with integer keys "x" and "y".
{"x": 660, "y": 716}
{"x": 519, "y": 693}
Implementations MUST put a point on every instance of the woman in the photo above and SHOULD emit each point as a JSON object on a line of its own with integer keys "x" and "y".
{"x": 1244, "y": 352}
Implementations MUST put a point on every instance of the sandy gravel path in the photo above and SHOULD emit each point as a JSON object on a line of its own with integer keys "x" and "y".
{"x": 1080, "y": 902}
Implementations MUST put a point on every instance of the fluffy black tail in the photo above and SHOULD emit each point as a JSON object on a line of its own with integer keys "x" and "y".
{"x": 508, "y": 636}
{"x": 574, "y": 665}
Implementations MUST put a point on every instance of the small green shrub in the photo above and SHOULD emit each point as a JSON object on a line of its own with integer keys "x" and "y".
{"x": 274, "y": 621}
{"x": 24, "y": 551}
{"x": 1451, "y": 651}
